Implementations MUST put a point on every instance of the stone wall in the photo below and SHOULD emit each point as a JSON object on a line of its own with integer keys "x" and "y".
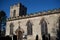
{"x": 52, "y": 21}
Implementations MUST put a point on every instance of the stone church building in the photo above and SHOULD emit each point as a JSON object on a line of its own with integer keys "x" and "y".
{"x": 37, "y": 26}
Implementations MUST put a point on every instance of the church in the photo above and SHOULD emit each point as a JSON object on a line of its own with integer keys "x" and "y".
{"x": 37, "y": 26}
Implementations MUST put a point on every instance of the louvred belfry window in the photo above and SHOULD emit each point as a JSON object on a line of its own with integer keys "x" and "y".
{"x": 14, "y": 13}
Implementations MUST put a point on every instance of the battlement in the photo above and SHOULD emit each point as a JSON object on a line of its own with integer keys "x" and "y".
{"x": 54, "y": 11}
{"x": 17, "y": 10}
{"x": 17, "y": 5}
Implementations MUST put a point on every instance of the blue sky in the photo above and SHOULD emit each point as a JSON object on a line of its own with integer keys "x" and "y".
{"x": 32, "y": 5}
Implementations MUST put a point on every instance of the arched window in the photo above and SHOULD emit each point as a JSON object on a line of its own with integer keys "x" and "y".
{"x": 59, "y": 23}
{"x": 11, "y": 28}
{"x": 29, "y": 28}
{"x": 43, "y": 27}
{"x": 58, "y": 30}
{"x": 14, "y": 13}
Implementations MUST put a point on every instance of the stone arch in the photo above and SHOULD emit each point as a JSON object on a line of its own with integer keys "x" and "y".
{"x": 58, "y": 30}
{"x": 44, "y": 19}
{"x": 20, "y": 35}
{"x": 59, "y": 21}
{"x": 44, "y": 29}
{"x": 19, "y": 32}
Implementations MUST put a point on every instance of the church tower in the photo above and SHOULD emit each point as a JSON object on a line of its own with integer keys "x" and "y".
{"x": 18, "y": 10}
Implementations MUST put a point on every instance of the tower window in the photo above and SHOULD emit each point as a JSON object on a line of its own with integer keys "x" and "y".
{"x": 14, "y": 13}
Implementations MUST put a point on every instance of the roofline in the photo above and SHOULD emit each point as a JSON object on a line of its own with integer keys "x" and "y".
{"x": 55, "y": 11}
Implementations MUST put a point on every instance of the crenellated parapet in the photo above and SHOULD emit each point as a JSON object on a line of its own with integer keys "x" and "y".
{"x": 54, "y": 11}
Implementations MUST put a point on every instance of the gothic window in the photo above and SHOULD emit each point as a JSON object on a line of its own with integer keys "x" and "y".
{"x": 58, "y": 31}
{"x": 29, "y": 28}
{"x": 59, "y": 22}
{"x": 43, "y": 27}
{"x": 11, "y": 28}
{"x": 14, "y": 13}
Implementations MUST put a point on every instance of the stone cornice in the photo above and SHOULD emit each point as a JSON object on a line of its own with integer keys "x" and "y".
{"x": 55, "y": 11}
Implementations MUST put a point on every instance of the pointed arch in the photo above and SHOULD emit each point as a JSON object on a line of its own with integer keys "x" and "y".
{"x": 11, "y": 28}
{"x": 43, "y": 26}
{"x": 59, "y": 22}
{"x": 58, "y": 30}
{"x": 19, "y": 32}
{"x": 29, "y": 27}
